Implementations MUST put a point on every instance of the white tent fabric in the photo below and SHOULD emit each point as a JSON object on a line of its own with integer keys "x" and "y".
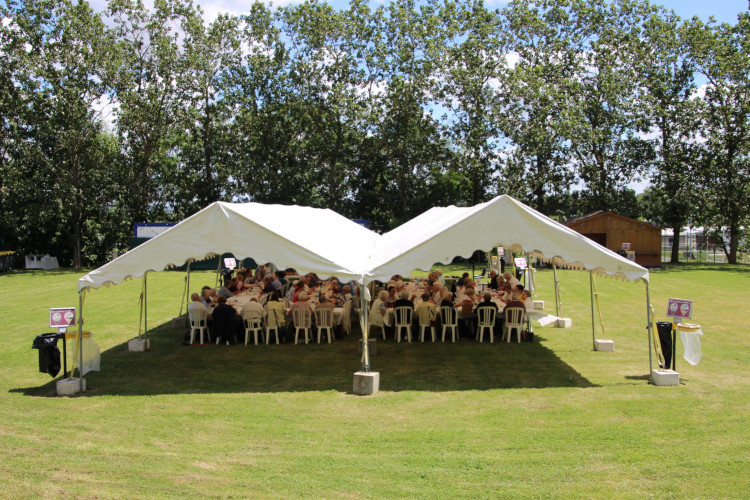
{"x": 308, "y": 239}
{"x": 321, "y": 241}
{"x": 441, "y": 233}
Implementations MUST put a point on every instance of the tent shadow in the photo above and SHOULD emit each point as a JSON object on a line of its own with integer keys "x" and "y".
{"x": 172, "y": 368}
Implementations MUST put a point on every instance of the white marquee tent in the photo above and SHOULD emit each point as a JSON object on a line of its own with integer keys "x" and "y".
{"x": 323, "y": 242}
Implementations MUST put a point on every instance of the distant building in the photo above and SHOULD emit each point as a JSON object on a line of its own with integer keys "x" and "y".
{"x": 640, "y": 241}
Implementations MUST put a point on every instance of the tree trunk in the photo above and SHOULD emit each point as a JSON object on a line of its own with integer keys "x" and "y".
{"x": 675, "y": 245}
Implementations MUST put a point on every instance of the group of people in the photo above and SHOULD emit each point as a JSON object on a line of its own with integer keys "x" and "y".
{"x": 505, "y": 289}
{"x": 276, "y": 300}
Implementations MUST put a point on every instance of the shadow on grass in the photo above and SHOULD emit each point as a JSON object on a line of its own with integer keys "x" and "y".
{"x": 172, "y": 368}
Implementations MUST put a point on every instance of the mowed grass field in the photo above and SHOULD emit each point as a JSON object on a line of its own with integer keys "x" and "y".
{"x": 549, "y": 419}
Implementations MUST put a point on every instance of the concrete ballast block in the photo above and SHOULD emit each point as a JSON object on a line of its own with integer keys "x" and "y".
{"x": 564, "y": 323}
{"x": 604, "y": 345}
{"x": 70, "y": 386}
{"x": 539, "y": 305}
{"x": 139, "y": 345}
{"x": 665, "y": 377}
{"x": 366, "y": 383}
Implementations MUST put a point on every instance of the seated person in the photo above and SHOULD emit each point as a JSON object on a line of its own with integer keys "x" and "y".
{"x": 312, "y": 280}
{"x": 297, "y": 289}
{"x": 467, "y": 323}
{"x": 280, "y": 279}
{"x": 346, "y": 291}
{"x": 439, "y": 274}
{"x": 207, "y": 297}
{"x": 462, "y": 279}
{"x": 302, "y": 302}
{"x": 260, "y": 273}
{"x": 509, "y": 278}
{"x": 404, "y": 300}
{"x": 392, "y": 296}
{"x": 494, "y": 280}
{"x": 197, "y": 303}
{"x": 268, "y": 284}
{"x": 505, "y": 296}
{"x": 377, "y": 310}
{"x": 225, "y": 326}
{"x": 225, "y": 291}
{"x": 447, "y": 300}
{"x": 241, "y": 281}
{"x": 324, "y": 303}
{"x": 515, "y": 301}
{"x": 429, "y": 306}
{"x": 253, "y": 305}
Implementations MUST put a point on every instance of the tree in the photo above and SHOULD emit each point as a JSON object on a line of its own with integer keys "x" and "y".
{"x": 669, "y": 116}
{"x": 722, "y": 55}
{"x": 538, "y": 168}
{"x": 145, "y": 82}
{"x": 205, "y": 143}
{"x": 58, "y": 176}
{"x": 599, "y": 114}
{"x": 471, "y": 62}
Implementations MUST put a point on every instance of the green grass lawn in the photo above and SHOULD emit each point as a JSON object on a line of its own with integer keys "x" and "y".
{"x": 549, "y": 419}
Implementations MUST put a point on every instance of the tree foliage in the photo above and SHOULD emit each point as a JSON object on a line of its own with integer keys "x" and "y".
{"x": 378, "y": 111}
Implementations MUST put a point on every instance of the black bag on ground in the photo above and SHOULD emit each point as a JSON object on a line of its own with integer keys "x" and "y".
{"x": 49, "y": 354}
{"x": 665, "y": 338}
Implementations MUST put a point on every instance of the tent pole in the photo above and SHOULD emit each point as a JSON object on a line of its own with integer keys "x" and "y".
{"x": 650, "y": 333}
{"x": 145, "y": 305}
{"x": 187, "y": 288}
{"x": 80, "y": 341}
{"x": 557, "y": 291}
{"x": 593, "y": 324}
{"x": 365, "y": 326}
{"x": 218, "y": 273}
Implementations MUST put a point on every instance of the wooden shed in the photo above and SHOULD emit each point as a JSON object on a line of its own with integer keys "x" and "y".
{"x": 612, "y": 230}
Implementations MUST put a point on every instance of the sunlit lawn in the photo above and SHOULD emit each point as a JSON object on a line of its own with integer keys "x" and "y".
{"x": 546, "y": 419}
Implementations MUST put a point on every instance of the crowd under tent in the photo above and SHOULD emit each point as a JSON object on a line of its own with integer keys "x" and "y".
{"x": 328, "y": 244}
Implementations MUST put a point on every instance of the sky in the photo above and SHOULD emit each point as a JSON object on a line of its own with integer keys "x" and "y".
{"x": 722, "y": 10}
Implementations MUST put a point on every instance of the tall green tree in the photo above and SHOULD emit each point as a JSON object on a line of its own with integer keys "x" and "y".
{"x": 59, "y": 178}
{"x": 145, "y": 82}
{"x": 670, "y": 120}
{"x": 206, "y": 164}
{"x": 544, "y": 44}
{"x": 722, "y": 55}
{"x": 471, "y": 58}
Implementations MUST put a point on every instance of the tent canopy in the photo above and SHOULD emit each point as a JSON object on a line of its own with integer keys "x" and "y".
{"x": 321, "y": 241}
{"x": 308, "y": 239}
{"x": 441, "y": 233}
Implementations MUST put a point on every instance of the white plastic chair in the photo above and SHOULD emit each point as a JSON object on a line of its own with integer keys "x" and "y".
{"x": 426, "y": 317}
{"x": 198, "y": 324}
{"x": 324, "y": 321}
{"x": 253, "y": 322}
{"x": 486, "y": 318}
{"x": 449, "y": 318}
{"x": 302, "y": 321}
{"x": 381, "y": 325}
{"x": 402, "y": 319}
{"x": 274, "y": 320}
{"x": 514, "y": 319}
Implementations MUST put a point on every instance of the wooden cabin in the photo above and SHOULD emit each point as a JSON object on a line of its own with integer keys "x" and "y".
{"x": 611, "y": 230}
